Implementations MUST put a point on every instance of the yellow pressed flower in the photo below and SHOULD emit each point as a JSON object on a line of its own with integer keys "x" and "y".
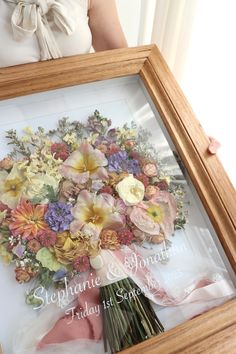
{"x": 130, "y": 190}
{"x": 6, "y": 256}
{"x": 84, "y": 163}
{"x": 70, "y": 138}
{"x": 12, "y": 186}
{"x": 28, "y": 130}
{"x": 68, "y": 248}
{"x": 25, "y": 139}
{"x": 125, "y": 134}
{"x": 156, "y": 213}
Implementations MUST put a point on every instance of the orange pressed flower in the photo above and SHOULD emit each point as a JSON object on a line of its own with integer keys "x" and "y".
{"x": 27, "y": 220}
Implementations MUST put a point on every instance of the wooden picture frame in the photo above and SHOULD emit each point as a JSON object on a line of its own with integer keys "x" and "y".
{"x": 211, "y": 332}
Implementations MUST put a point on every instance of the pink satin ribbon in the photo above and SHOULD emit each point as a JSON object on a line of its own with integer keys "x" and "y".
{"x": 91, "y": 327}
{"x": 67, "y": 329}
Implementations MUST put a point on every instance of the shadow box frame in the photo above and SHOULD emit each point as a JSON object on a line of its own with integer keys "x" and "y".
{"x": 211, "y": 332}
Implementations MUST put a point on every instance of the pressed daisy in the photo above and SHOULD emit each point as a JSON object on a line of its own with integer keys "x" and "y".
{"x": 27, "y": 220}
{"x": 34, "y": 246}
{"x": 47, "y": 238}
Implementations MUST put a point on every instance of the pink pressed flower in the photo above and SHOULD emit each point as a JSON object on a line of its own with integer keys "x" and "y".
{"x": 156, "y": 215}
{"x": 150, "y": 192}
{"x": 97, "y": 210}
{"x": 150, "y": 170}
{"x": 135, "y": 155}
{"x": 125, "y": 237}
{"x": 107, "y": 189}
{"x": 129, "y": 144}
{"x": 81, "y": 264}
{"x": 120, "y": 206}
{"x": 113, "y": 149}
{"x": 47, "y": 238}
{"x": 144, "y": 179}
{"x": 84, "y": 163}
{"x": 60, "y": 151}
{"x": 4, "y": 207}
{"x": 162, "y": 185}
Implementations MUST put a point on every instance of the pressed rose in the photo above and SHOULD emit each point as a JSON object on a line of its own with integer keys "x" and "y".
{"x": 109, "y": 240}
{"x": 67, "y": 248}
{"x": 162, "y": 185}
{"x": 150, "y": 170}
{"x": 130, "y": 190}
{"x": 81, "y": 264}
{"x": 24, "y": 275}
{"x": 33, "y": 246}
{"x": 125, "y": 237}
{"x": 47, "y": 238}
{"x": 144, "y": 179}
{"x": 129, "y": 144}
{"x": 150, "y": 191}
{"x": 113, "y": 149}
{"x": 156, "y": 239}
{"x": 135, "y": 155}
{"x": 6, "y": 163}
{"x": 141, "y": 236}
{"x": 107, "y": 189}
{"x": 60, "y": 151}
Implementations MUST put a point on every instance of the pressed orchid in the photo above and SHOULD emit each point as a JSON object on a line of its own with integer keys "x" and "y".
{"x": 97, "y": 210}
{"x": 156, "y": 215}
{"x": 84, "y": 163}
{"x": 27, "y": 220}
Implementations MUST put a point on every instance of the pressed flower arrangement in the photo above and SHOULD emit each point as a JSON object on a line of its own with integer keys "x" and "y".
{"x": 70, "y": 193}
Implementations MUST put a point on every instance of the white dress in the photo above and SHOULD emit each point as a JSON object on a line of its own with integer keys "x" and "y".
{"x": 34, "y": 30}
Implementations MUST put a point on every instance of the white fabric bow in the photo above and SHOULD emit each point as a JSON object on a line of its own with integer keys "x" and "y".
{"x": 29, "y": 17}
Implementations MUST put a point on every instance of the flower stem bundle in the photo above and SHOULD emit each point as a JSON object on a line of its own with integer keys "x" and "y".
{"x": 128, "y": 316}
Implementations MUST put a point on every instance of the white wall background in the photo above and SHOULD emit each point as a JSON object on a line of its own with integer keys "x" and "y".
{"x": 130, "y": 15}
{"x": 197, "y": 39}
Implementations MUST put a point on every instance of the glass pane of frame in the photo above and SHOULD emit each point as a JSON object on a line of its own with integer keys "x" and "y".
{"x": 141, "y": 256}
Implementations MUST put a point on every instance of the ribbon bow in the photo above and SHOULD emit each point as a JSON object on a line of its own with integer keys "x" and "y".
{"x": 29, "y": 17}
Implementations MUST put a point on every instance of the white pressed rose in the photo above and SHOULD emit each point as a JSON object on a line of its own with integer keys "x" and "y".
{"x": 130, "y": 190}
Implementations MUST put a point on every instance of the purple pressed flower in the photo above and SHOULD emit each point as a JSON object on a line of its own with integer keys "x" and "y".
{"x": 98, "y": 124}
{"x": 120, "y": 162}
{"x": 58, "y": 216}
{"x": 19, "y": 250}
{"x": 61, "y": 273}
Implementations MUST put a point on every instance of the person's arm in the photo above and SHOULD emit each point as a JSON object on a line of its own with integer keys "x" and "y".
{"x": 105, "y": 25}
